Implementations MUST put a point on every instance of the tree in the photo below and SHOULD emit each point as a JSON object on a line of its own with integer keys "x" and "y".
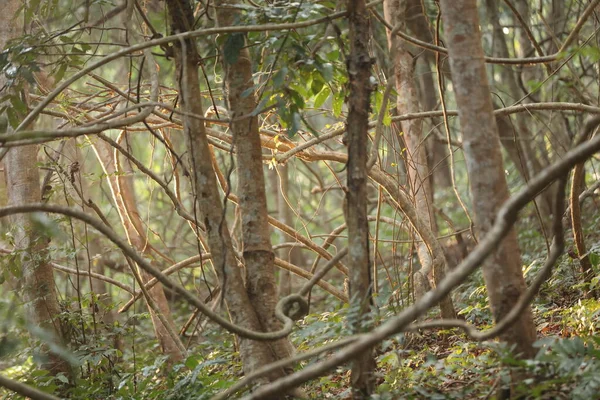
{"x": 359, "y": 261}
{"x": 37, "y": 287}
{"x": 502, "y": 271}
{"x": 257, "y": 250}
{"x": 416, "y": 158}
{"x": 239, "y": 303}
{"x": 155, "y": 126}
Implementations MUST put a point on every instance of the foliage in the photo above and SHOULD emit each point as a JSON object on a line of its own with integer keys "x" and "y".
{"x": 300, "y": 85}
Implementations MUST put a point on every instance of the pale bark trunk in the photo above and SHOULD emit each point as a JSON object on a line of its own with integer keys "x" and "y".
{"x": 416, "y": 158}
{"x": 123, "y": 195}
{"x": 502, "y": 270}
{"x": 257, "y": 250}
{"x": 37, "y": 287}
{"x": 255, "y": 354}
{"x": 359, "y": 263}
{"x": 437, "y": 152}
{"x": 515, "y": 138}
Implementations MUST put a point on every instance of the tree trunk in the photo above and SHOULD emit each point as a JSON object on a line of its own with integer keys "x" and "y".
{"x": 416, "y": 158}
{"x": 121, "y": 187}
{"x": 256, "y": 236}
{"x": 502, "y": 270}
{"x": 437, "y": 152}
{"x": 255, "y": 354}
{"x": 359, "y": 263}
{"x": 515, "y": 138}
{"x": 37, "y": 287}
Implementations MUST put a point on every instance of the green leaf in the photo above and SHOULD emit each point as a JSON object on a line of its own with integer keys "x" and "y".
{"x": 387, "y": 118}
{"x": 13, "y": 118}
{"x": 279, "y": 78}
{"x": 18, "y": 104}
{"x": 296, "y": 98}
{"x": 316, "y": 85}
{"x": 326, "y": 71}
{"x": 333, "y": 55}
{"x": 260, "y": 106}
{"x": 338, "y": 102}
{"x": 594, "y": 259}
{"x": 60, "y": 72}
{"x": 248, "y": 92}
{"x": 28, "y": 74}
{"x": 322, "y": 96}
{"x": 294, "y": 127}
{"x": 231, "y": 50}
{"x": 192, "y": 362}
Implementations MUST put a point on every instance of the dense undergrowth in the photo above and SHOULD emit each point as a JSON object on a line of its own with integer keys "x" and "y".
{"x": 434, "y": 364}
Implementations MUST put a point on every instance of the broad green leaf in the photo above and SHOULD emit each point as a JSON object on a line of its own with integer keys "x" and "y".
{"x": 13, "y": 118}
{"x": 248, "y": 92}
{"x": 296, "y": 98}
{"x": 338, "y": 102}
{"x": 322, "y": 96}
{"x": 279, "y": 78}
{"x": 326, "y": 70}
{"x": 60, "y": 72}
{"x": 333, "y": 55}
{"x": 316, "y": 85}
{"x": 19, "y": 106}
{"x": 260, "y": 106}
{"x": 295, "y": 124}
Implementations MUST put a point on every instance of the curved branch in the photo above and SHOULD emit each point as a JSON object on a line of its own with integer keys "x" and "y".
{"x": 94, "y": 275}
{"x": 498, "y": 60}
{"x": 503, "y": 223}
{"x": 25, "y": 390}
{"x": 556, "y": 250}
{"x": 283, "y": 307}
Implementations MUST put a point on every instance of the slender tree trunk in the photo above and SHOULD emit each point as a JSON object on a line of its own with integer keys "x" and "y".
{"x": 515, "y": 137}
{"x": 416, "y": 158}
{"x": 256, "y": 235}
{"x": 502, "y": 270}
{"x": 121, "y": 187}
{"x": 437, "y": 152}
{"x": 255, "y": 354}
{"x": 37, "y": 286}
{"x": 359, "y": 262}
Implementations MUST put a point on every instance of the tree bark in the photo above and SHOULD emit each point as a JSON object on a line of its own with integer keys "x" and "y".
{"x": 359, "y": 263}
{"x": 437, "y": 152}
{"x": 515, "y": 138}
{"x": 256, "y": 236}
{"x": 502, "y": 270}
{"x": 416, "y": 158}
{"x": 121, "y": 187}
{"x": 255, "y": 354}
{"x": 37, "y": 287}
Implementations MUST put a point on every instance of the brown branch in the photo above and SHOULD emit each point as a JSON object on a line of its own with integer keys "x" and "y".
{"x": 25, "y": 390}
{"x": 284, "y": 306}
{"x": 506, "y": 218}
